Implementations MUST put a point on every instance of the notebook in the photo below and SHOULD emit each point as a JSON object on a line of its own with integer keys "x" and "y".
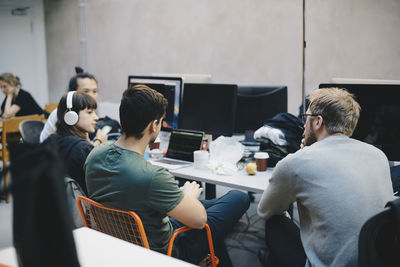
{"x": 182, "y": 144}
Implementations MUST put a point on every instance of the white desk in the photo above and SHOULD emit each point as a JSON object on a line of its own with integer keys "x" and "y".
{"x": 96, "y": 249}
{"x": 241, "y": 180}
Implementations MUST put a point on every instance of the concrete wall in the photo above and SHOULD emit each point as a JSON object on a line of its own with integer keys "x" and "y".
{"x": 352, "y": 39}
{"x": 62, "y": 38}
{"x": 243, "y": 42}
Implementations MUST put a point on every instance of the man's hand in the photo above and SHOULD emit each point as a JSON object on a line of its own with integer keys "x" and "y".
{"x": 192, "y": 189}
{"x": 303, "y": 141}
{"x": 190, "y": 211}
{"x": 302, "y": 144}
{"x": 101, "y": 136}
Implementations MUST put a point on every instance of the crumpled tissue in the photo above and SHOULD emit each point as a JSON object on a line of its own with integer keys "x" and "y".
{"x": 225, "y": 152}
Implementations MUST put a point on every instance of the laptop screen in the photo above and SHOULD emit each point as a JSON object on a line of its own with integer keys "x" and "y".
{"x": 183, "y": 143}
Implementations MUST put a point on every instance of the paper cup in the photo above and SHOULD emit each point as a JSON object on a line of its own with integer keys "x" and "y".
{"x": 200, "y": 159}
{"x": 261, "y": 161}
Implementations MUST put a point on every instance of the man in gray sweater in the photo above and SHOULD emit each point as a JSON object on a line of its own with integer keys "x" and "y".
{"x": 338, "y": 183}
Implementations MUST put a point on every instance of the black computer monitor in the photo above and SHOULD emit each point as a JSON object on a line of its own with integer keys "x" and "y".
{"x": 171, "y": 88}
{"x": 379, "y": 122}
{"x": 209, "y": 108}
{"x": 256, "y": 104}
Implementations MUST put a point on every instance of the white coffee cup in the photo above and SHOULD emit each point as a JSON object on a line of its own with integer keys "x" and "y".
{"x": 200, "y": 159}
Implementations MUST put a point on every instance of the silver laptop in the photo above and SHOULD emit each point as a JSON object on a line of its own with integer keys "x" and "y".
{"x": 182, "y": 144}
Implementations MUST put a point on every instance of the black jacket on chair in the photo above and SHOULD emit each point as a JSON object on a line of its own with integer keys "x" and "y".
{"x": 379, "y": 242}
{"x": 42, "y": 222}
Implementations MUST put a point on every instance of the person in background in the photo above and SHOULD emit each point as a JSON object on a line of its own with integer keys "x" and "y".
{"x": 83, "y": 83}
{"x": 17, "y": 102}
{"x": 76, "y": 118}
{"x": 118, "y": 176}
{"x": 338, "y": 183}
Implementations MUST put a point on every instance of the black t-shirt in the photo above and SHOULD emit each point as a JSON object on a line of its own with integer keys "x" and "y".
{"x": 26, "y": 102}
{"x": 74, "y": 151}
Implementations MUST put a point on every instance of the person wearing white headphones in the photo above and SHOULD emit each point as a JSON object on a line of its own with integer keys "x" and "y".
{"x": 83, "y": 83}
{"x": 76, "y": 118}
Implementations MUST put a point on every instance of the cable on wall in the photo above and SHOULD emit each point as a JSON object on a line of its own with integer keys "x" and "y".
{"x": 303, "y": 80}
{"x": 82, "y": 34}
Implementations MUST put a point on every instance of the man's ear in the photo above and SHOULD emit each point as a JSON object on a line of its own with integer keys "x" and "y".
{"x": 153, "y": 126}
{"x": 318, "y": 122}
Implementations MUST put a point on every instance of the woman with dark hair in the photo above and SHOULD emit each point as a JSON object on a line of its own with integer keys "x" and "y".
{"x": 18, "y": 102}
{"x": 76, "y": 118}
{"x": 82, "y": 82}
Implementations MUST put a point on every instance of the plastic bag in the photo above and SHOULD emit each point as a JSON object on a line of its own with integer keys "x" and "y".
{"x": 275, "y": 135}
{"x": 225, "y": 152}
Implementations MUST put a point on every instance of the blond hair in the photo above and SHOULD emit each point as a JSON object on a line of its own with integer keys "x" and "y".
{"x": 11, "y": 79}
{"x": 338, "y": 108}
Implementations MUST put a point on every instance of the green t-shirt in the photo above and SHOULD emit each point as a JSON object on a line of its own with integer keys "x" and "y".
{"x": 123, "y": 179}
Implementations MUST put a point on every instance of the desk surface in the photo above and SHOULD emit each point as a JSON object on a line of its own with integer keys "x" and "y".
{"x": 240, "y": 180}
{"x": 96, "y": 249}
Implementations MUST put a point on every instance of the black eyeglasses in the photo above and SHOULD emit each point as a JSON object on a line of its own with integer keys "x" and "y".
{"x": 304, "y": 116}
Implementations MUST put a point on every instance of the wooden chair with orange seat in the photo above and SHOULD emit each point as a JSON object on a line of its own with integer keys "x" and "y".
{"x": 50, "y": 107}
{"x": 128, "y": 226}
{"x": 10, "y": 133}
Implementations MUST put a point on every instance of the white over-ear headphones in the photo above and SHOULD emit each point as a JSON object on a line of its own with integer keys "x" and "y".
{"x": 70, "y": 117}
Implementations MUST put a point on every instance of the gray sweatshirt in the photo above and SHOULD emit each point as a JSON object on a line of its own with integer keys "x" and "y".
{"x": 338, "y": 184}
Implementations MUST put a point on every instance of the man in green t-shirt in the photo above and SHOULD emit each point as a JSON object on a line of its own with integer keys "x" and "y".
{"x": 117, "y": 175}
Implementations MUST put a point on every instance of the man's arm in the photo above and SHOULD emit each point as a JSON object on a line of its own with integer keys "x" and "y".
{"x": 279, "y": 193}
{"x": 190, "y": 211}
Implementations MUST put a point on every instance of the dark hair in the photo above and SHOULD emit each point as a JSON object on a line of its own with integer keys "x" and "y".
{"x": 139, "y": 106}
{"x": 73, "y": 82}
{"x": 80, "y": 102}
{"x": 79, "y": 70}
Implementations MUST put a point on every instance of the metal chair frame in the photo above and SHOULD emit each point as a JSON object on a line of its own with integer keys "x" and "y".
{"x": 128, "y": 226}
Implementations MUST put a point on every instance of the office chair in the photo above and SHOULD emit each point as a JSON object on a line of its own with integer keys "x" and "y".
{"x": 50, "y": 107}
{"x": 11, "y": 134}
{"x": 128, "y": 226}
{"x": 379, "y": 241}
{"x": 30, "y": 131}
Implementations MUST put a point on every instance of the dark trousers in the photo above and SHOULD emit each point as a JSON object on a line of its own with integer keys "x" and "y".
{"x": 222, "y": 214}
{"x": 282, "y": 237}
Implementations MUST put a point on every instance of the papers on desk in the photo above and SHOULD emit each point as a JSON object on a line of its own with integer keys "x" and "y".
{"x": 224, "y": 168}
